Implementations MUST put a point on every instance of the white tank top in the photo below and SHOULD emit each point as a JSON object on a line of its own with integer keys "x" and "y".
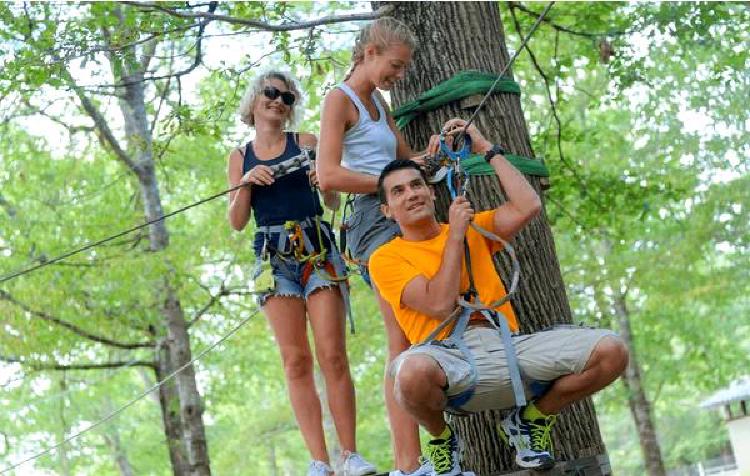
{"x": 369, "y": 145}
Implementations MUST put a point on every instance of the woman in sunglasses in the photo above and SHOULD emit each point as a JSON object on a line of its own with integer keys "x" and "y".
{"x": 270, "y": 106}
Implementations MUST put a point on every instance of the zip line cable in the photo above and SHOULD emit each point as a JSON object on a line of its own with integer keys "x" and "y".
{"x": 505, "y": 69}
{"x": 132, "y": 402}
{"x": 205, "y": 351}
{"x": 88, "y": 246}
{"x": 114, "y": 237}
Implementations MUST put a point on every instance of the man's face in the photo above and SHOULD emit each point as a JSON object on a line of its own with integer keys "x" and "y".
{"x": 409, "y": 200}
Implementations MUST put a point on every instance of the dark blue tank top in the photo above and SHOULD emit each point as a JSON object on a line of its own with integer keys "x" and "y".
{"x": 289, "y": 197}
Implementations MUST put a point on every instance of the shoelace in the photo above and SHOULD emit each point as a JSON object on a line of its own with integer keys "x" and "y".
{"x": 541, "y": 434}
{"x": 356, "y": 459}
{"x": 441, "y": 455}
{"x": 321, "y": 466}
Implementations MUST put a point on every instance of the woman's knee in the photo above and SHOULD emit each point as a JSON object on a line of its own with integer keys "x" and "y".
{"x": 298, "y": 364}
{"x": 333, "y": 362}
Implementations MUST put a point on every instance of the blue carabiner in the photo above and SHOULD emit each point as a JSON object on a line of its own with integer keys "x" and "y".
{"x": 455, "y": 158}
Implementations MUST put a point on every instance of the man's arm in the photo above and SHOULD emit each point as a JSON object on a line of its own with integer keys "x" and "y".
{"x": 436, "y": 297}
{"x": 523, "y": 202}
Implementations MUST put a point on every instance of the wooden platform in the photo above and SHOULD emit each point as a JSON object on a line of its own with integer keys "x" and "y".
{"x": 588, "y": 466}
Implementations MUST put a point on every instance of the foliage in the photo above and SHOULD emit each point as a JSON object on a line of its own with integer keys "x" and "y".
{"x": 649, "y": 197}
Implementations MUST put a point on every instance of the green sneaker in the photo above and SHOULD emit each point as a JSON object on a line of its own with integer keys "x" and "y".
{"x": 443, "y": 454}
{"x": 532, "y": 439}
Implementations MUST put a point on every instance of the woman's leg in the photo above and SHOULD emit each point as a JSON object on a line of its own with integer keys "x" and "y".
{"x": 404, "y": 428}
{"x": 286, "y": 315}
{"x": 328, "y": 322}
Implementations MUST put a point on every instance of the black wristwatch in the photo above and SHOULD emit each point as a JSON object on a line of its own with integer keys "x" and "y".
{"x": 495, "y": 150}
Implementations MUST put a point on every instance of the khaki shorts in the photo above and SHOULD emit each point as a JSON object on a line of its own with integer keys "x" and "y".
{"x": 542, "y": 357}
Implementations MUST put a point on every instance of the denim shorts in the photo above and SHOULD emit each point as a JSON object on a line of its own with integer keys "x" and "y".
{"x": 299, "y": 279}
{"x": 367, "y": 230}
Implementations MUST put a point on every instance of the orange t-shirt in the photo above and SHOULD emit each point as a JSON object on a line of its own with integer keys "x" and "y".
{"x": 396, "y": 263}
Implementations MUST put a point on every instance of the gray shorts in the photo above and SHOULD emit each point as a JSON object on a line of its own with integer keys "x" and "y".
{"x": 368, "y": 229}
{"x": 542, "y": 357}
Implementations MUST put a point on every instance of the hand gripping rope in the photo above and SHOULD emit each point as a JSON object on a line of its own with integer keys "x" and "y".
{"x": 470, "y": 302}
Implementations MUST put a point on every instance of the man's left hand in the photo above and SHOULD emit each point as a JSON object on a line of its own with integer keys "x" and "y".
{"x": 479, "y": 145}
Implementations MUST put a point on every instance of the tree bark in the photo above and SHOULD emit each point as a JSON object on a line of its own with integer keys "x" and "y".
{"x": 168, "y": 400}
{"x": 139, "y": 151}
{"x": 457, "y": 36}
{"x": 640, "y": 407}
{"x": 191, "y": 407}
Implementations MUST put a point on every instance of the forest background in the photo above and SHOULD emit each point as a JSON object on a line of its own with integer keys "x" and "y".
{"x": 639, "y": 111}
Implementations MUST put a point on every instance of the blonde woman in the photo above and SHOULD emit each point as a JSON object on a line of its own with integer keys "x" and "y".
{"x": 358, "y": 138}
{"x": 299, "y": 290}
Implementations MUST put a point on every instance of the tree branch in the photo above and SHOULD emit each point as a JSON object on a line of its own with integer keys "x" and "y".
{"x": 565, "y": 29}
{"x": 553, "y": 106}
{"x": 91, "y": 366}
{"x": 299, "y": 25}
{"x": 43, "y": 112}
{"x": 214, "y": 298}
{"x": 100, "y": 123}
{"x": 4, "y": 295}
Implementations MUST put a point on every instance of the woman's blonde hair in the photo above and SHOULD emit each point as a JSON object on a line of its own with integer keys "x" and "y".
{"x": 256, "y": 88}
{"x": 382, "y": 33}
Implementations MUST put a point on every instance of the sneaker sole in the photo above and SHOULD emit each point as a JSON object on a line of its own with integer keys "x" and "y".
{"x": 540, "y": 467}
{"x": 503, "y": 434}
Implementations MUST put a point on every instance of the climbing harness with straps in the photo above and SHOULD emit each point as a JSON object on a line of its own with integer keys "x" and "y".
{"x": 446, "y": 165}
{"x": 450, "y": 161}
{"x": 469, "y": 304}
{"x": 293, "y": 242}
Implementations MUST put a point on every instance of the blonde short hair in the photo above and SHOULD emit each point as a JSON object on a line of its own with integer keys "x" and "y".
{"x": 256, "y": 89}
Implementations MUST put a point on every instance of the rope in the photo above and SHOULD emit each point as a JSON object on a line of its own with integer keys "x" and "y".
{"x": 279, "y": 169}
{"x": 478, "y": 305}
{"x": 132, "y": 402}
{"x": 506, "y": 67}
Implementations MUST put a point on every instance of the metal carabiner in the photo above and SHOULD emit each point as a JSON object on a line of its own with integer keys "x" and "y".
{"x": 455, "y": 176}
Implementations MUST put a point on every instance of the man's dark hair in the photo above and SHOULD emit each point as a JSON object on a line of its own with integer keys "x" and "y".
{"x": 394, "y": 165}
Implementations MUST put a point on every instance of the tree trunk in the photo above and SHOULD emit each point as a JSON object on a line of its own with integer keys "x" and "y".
{"x": 168, "y": 400}
{"x": 191, "y": 407}
{"x": 640, "y": 407}
{"x": 139, "y": 140}
{"x": 457, "y": 36}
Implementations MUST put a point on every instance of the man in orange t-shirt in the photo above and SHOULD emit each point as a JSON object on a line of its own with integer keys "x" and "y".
{"x": 422, "y": 273}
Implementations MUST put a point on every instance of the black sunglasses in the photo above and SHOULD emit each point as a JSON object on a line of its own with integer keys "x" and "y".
{"x": 272, "y": 93}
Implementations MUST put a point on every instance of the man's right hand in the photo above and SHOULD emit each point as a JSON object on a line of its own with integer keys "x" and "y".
{"x": 460, "y": 215}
